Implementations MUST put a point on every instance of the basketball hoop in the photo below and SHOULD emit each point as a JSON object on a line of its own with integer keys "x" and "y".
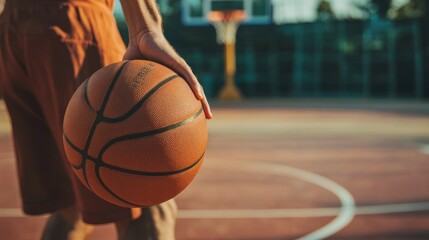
{"x": 226, "y": 24}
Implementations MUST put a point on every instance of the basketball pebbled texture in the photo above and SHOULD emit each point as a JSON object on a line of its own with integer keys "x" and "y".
{"x": 135, "y": 134}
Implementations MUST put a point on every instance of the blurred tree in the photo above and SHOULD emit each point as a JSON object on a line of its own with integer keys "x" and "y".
{"x": 418, "y": 9}
{"x": 413, "y": 9}
{"x": 324, "y": 11}
{"x": 382, "y": 7}
{"x": 424, "y": 26}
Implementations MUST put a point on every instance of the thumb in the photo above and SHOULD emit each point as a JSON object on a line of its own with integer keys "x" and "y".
{"x": 132, "y": 53}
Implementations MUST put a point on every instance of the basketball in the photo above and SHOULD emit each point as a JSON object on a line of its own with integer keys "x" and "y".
{"x": 135, "y": 134}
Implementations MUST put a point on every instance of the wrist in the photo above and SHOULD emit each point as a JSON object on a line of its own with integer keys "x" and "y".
{"x": 145, "y": 33}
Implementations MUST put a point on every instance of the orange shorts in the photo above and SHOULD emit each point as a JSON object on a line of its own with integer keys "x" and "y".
{"x": 46, "y": 50}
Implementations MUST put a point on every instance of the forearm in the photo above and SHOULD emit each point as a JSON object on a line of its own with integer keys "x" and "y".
{"x": 142, "y": 16}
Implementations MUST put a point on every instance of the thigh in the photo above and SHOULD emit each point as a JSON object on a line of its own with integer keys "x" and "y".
{"x": 47, "y": 51}
{"x": 43, "y": 177}
{"x": 79, "y": 41}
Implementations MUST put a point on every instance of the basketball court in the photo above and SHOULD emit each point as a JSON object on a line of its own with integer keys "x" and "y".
{"x": 280, "y": 169}
{"x": 290, "y": 169}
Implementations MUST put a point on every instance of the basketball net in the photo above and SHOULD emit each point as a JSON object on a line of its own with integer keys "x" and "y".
{"x": 226, "y": 24}
{"x": 225, "y": 31}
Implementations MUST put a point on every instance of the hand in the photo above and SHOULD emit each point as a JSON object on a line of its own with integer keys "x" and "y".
{"x": 154, "y": 47}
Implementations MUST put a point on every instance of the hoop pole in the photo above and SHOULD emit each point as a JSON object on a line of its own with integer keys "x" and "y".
{"x": 230, "y": 90}
{"x": 230, "y": 62}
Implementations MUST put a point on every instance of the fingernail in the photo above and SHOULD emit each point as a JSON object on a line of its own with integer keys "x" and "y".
{"x": 200, "y": 93}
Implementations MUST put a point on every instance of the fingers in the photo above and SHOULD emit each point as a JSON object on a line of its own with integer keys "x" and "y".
{"x": 185, "y": 71}
{"x": 206, "y": 107}
{"x": 198, "y": 91}
{"x": 159, "y": 50}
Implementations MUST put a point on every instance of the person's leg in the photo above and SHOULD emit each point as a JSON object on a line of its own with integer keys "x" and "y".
{"x": 44, "y": 184}
{"x": 28, "y": 50}
{"x": 60, "y": 50}
{"x": 66, "y": 224}
{"x": 155, "y": 223}
{"x": 58, "y": 58}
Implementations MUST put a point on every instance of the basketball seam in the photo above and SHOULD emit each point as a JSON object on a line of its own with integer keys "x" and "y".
{"x": 97, "y": 121}
{"x": 103, "y": 184}
{"x": 140, "y": 102}
{"x": 100, "y": 180}
{"x": 110, "y": 88}
{"x": 152, "y": 174}
{"x": 80, "y": 151}
{"x": 148, "y": 133}
{"x": 85, "y": 95}
{"x": 77, "y": 149}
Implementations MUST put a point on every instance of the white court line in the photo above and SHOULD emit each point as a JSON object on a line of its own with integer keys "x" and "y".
{"x": 11, "y": 213}
{"x": 302, "y": 212}
{"x": 393, "y": 208}
{"x": 273, "y": 212}
{"x": 347, "y": 210}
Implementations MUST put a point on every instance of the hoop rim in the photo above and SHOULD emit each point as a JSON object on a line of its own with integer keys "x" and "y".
{"x": 228, "y": 16}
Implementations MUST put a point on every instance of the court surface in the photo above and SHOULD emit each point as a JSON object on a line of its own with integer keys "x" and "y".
{"x": 289, "y": 169}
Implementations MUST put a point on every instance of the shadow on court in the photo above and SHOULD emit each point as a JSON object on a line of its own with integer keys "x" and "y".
{"x": 288, "y": 169}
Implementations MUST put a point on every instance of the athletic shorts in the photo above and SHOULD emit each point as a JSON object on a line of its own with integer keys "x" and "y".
{"x": 47, "y": 49}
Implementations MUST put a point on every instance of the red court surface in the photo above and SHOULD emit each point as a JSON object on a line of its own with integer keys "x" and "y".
{"x": 301, "y": 169}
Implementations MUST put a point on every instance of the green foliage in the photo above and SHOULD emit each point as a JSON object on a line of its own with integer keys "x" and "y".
{"x": 382, "y": 7}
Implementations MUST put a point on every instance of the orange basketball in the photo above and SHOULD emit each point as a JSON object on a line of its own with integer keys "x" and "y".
{"x": 135, "y": 134}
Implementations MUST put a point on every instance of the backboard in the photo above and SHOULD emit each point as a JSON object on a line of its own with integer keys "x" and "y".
{"x": 195, "y": 12}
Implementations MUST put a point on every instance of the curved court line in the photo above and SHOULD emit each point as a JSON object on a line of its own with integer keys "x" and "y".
{"x": 11, "y": 213}
{"x": 347, "y": 210}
